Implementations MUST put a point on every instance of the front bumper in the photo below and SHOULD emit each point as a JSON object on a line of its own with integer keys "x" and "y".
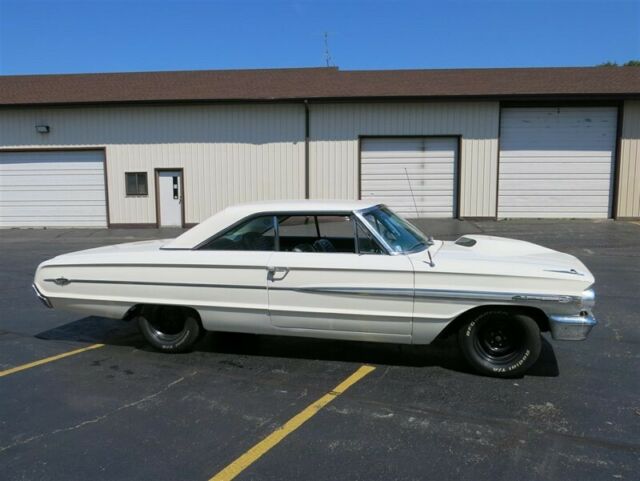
{"x": 571, "y": 328}
{"x": 45, "y": 300}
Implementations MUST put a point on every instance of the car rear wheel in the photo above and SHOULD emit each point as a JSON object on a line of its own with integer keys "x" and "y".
{"x": 169, "y": 328}
{"x": 500, "y": 343}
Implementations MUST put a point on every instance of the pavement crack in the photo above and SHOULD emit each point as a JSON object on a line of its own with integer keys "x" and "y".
{"x": 96, "y": 419}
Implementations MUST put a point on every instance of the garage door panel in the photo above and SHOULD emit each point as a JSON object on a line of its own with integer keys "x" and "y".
{"x": 42, "y": 179}
{"x": 73, "y": 196}
{"x": 558, "y": 168}
{"x": 556, "y": 162}
{"x": 422, "y": 184}
{"x": 568, "y": 186}
{"x": 553, "y": 155}
{"x": 557, "y": 202}
{"x": 52, "y": 189}
{"x": 391, "y": 168}
{"x": 413, "y": 170}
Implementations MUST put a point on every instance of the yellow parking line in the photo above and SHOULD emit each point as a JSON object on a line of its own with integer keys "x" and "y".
{"x": 48, "y": 359}
{"x": 253, "y": 454}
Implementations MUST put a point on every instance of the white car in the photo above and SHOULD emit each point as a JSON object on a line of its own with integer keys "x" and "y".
{"x": 332, "y": 269}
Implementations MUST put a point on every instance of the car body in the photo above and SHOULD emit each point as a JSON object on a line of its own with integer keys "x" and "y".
{"x": 327, "y": 269}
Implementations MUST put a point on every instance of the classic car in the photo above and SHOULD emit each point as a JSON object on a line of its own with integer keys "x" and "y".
{"x": 350, "y": 270}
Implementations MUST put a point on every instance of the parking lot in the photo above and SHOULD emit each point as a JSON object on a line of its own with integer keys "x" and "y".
{"x": 123, "y": 411}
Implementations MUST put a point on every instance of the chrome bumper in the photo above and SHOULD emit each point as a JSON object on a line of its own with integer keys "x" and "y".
{"x": 45, "y": 300}
{"x": 571, "y": 328}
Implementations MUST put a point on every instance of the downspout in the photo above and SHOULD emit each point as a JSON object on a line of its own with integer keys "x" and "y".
{"x": 306, "y": 149}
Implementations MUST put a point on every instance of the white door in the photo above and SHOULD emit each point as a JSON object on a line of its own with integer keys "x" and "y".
{"x": 392, "y": 169}
{"x": 556, "y": 162}
{"x": 170, "y": 197}
{"x": 52, "y": 189}
{"x": 342, "y": 293}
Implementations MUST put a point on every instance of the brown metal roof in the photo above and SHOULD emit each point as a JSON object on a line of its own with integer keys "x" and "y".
{"x": 318, "y": 83}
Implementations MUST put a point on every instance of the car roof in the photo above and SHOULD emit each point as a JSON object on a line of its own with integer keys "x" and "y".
{"x": 232, "y": 214}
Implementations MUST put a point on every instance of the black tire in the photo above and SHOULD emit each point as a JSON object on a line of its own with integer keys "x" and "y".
{"x": 500, "y": 343}
{"x": 169, "y": 329}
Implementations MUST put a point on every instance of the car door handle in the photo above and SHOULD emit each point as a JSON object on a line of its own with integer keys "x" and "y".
{"x": 273, "y": 269}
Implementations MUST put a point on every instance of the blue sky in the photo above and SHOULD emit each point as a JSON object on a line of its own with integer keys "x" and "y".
{"x": 101, "y": 36}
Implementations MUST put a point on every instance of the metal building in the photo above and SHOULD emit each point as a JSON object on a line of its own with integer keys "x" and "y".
{"x": 172, "y": 148}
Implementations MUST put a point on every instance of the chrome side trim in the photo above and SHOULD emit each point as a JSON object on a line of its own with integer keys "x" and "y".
{"x": 361, "y": 291}
{"x": 162, "y": 284}
{"x": 435, "y": 294}
{"x": 566, "y": 271}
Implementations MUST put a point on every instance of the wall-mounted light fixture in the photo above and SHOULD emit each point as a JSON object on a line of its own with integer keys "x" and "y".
{"x": 42, "y": 129}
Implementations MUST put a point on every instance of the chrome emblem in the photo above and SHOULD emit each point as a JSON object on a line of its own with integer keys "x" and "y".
{"x": 61, "y": 281}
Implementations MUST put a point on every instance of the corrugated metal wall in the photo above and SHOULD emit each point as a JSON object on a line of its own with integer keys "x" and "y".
{"x": 335, "y": 128}
{"x": 230, "y": 153}
{"x": 629, "y": 186}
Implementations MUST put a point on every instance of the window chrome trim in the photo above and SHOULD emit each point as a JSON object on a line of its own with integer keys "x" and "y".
{"x": 361, "y": 215}
{"x": 376, "y": 235}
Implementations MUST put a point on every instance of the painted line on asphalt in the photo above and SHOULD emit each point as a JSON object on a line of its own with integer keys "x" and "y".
{"x": 258, "y": 450}
{"x": 46, "y": 360}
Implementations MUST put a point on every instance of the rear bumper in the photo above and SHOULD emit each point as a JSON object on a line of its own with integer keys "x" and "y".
{"x": 571, "y": 328}
{"x": 45, "y": 300}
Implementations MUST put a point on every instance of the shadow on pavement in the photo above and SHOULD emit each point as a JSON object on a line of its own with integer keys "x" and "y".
{"x": 442, "y": 353}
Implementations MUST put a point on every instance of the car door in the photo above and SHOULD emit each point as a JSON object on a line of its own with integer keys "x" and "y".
{"x": 230, "y": 285}
{"x": 366, "y": 295}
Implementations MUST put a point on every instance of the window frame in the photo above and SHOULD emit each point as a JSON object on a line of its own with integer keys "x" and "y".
{"x": 146, "y": 184}
{"x": 354, "y": 217}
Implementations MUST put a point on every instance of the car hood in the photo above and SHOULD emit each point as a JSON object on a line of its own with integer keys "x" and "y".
{"x": 481, "y": 254}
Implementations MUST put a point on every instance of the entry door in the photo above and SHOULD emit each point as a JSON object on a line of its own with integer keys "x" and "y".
{"x": 368, "y": 295}
{"x": 170, "y": 198}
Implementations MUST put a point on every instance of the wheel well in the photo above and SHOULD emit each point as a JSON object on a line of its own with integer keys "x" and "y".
{"x": 536, "y": 314}
{"x": 137, "y": 309}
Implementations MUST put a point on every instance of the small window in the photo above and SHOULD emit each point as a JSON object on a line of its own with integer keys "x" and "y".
{"x": 367, "y": 244}
{"x": 316, "y": 233}
{"x": 136, "y": 183}
{"x": 257, "y": 234}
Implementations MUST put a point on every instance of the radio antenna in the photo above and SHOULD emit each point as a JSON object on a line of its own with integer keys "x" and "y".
{"x": 327, "y": 54}
{"x": 413, "y": 197}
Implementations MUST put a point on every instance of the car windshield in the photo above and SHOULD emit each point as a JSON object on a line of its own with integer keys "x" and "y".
{"x": 400, "y": 235}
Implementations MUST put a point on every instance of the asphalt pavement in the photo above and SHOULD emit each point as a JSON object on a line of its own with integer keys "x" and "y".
{"x": 123, "y": 411}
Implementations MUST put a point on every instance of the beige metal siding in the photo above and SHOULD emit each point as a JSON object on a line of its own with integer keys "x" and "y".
{"x": 336, "y": 128}
{"x": 629, "y": 183}
{"x": 230, "y": 153}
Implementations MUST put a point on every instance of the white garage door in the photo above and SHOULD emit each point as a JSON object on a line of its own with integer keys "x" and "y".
{"x": 391, "y": 168}
{"x": 52, "y": 189}
{"x": 556, "y": 162}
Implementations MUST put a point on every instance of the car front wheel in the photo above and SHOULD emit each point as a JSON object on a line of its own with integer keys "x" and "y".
{"x": 500, "y": 343}
{"x": 169, "y": 328}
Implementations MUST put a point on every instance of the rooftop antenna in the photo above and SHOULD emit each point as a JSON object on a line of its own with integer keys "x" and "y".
{"x": 327, "y": 54}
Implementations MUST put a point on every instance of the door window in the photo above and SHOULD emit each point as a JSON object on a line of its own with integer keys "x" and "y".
{"x": 316, "y": 233}
{"x": 257, "y": 234}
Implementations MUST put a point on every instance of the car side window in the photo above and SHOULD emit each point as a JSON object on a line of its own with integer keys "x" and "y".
{"x": 367, "y": 244}
{"x": 316, "y": 233}
{"x": 257, "y": 234}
